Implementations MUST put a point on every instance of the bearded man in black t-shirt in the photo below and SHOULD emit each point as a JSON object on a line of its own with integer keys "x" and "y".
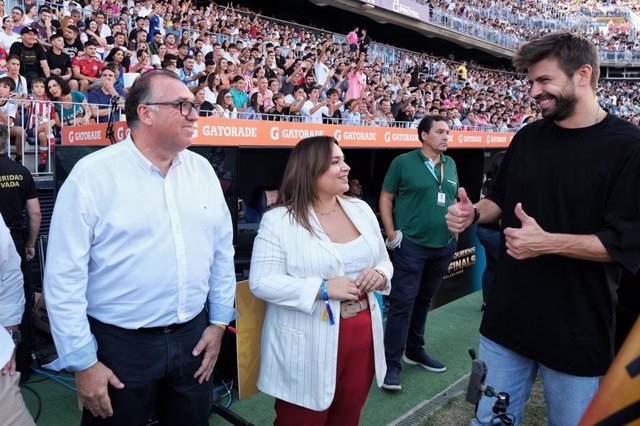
{"x": 567, "y": 193}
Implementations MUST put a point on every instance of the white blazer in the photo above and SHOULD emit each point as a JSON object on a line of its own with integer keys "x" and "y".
{"x": 299, "y": 351}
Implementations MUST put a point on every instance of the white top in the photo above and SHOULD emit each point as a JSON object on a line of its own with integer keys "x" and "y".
{"x": 8, "y": 40}
{"x": 316, "y": 117}
{"x": 133, "y": 248}
{"x": 356, "y": 256}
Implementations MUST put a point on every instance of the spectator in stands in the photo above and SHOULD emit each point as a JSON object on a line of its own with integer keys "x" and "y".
{"x": 556, "y": 260}
{"x": 155, "y": 21}
{"x": 298, "y": 244}
{"x": 142, "y": 61}
{"x": 71, "y": 106}
{"x": 365, "y": 40}
{"x": 12, "y": 294}
{"x": 72, "y": 44}
{"x": 154, "y": 46}
{"x": 30, "y": 13}
{"x": 99, "y": 98}
{"x": 119, "y": 59}
{"x": 240, "y": 96}
{"x": 8, "y": 36}
{"x": 139, "y": 26}
{"x": 280, "y": 111}
{"x": 91, "y": 8}
{"x": 187, "y": 74}
{"x": 357, "y": 80}
{"x": 212, "y": 87}
{"x": 313, "y": 109}
{"x": 41, "y": 119}
{"x": 118, "y": 40}
{"x": 255, "y": 109}
{"x": 33, "y": 60}
{"x": 45, "y": 27}
{"x": 140, "y": 40}
{"x": 17, "y": 17}
{"x": 91, "y": 33}
{"x": 59, "y": 62}
{"x": 8, "y": 111}
{"x": 262, "y": 86}
{"x": 103, "y": 29}
{"x": 206, "y": 108}
{"x": 351, "y": 115}
{"x": 13, "y": 71}
{"x": 170, "y": 42}
{"x": 225, "y": 106}
{"x": 352, "y": 38}
{"x": 86, "y": 68}
{"x": 382, "y": 111}
{"x": 334, "y": 105}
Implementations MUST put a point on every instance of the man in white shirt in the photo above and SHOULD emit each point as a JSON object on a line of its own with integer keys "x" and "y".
{"x": 313, "y": 109}
{"x": 12, "y": 407}
{"x": 103, "y": 28}
{"x": 140, "y": 278}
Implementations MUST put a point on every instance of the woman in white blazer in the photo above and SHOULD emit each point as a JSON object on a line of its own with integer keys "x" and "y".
{"x": 316, "y": 261}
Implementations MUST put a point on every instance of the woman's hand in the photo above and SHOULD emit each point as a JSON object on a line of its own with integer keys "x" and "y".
{"x": 343, "y": 288}
{"x": 370, "y": 280}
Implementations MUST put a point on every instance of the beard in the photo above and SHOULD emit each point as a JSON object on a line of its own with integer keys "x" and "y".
{"x": 565, "y": 106}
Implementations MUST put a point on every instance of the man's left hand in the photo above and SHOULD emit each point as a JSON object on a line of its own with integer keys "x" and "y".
{"x": 30, "y": 252}
{"x": 209, "y": 344}
{"x": 10, "y": 367}
{"x": 526, "y": 242}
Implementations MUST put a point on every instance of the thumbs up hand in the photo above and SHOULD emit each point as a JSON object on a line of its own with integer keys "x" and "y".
{"x": 528, "y": 241}
{"x": 460, "y": 215}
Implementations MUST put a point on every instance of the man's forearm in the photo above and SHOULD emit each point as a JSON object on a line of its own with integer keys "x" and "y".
{"x": 490, "y": 212}
{"x": 583, "y": 247}
{"x": 386, "y": 215}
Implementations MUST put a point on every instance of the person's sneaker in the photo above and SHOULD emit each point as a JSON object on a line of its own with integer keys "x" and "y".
{"x": 392, "y": 380}
{"x": 42, "y": 168}
{"x": 425, "y": 361}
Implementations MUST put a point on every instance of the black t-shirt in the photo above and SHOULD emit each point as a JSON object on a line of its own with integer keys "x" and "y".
{"x": 72, "y": 49}
{"x": 62, "y": 61}
{"x": 274, "y": 115}
{"x": 557, "y": 310}
{"x": 16, "y": 187}
{"x": 30, "y": 58}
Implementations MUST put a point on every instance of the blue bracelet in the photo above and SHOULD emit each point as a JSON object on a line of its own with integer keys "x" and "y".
{"x": 324, "y": 293}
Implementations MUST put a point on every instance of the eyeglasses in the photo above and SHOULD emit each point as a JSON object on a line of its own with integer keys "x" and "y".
{"x": 185, "y": 106}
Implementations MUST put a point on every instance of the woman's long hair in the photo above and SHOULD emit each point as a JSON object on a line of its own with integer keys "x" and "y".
{"x": 310, "y": 158}
{"x": 220, "y": 100}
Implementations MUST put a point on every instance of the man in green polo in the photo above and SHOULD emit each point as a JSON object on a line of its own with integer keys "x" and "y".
{"x": 417, "y": 190}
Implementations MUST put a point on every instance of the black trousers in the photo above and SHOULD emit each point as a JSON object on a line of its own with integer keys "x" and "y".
{"x": 157, "y": 370}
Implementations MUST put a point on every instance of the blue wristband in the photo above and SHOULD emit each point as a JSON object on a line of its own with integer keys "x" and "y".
{"x": 324, "y": 293}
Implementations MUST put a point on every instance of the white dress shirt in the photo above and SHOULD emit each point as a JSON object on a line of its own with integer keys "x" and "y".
{"x": 11, "y": 288}
{"x": 133, "y": 248}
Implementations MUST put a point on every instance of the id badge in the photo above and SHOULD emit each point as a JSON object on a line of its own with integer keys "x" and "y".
{"x": 441, "y": 198}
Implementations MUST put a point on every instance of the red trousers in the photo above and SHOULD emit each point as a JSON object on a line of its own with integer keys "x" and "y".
{"x": 355, "y": 370}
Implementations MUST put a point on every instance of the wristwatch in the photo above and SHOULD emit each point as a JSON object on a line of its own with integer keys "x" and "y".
{"x": 476, "y": 214}
{"x": 16, "y": 336}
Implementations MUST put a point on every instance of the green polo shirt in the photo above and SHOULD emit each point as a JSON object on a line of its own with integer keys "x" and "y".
{"x": 416, "y": 211}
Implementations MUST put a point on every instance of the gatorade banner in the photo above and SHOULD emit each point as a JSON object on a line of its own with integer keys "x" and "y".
{"x": 618, "y": 399}
{"x": 254, "y": 133}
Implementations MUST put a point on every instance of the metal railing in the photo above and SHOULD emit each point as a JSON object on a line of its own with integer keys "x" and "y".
{"x": 29, "y": 141}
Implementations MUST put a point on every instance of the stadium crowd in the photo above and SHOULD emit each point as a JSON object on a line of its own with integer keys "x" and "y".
{"x": 532, "y": 19}
{"x": 64, "y": 64}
